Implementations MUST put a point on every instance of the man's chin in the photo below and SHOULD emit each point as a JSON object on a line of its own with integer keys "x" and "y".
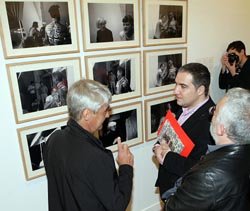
{"x": 179, "y": 102}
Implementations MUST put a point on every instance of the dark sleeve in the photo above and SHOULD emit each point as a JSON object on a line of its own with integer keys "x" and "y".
{"x": 225, "y": 80}
{"x": 195, "y": 193}
{"x": 111, "y": 189}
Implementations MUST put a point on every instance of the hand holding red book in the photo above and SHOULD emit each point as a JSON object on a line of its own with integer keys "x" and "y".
{"x": 171, "y": 132}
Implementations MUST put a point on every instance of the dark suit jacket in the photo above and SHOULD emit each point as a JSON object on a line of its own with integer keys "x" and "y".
{"x": 197, "y": 127}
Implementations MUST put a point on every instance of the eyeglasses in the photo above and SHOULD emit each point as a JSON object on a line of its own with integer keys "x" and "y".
{"x": 211, "y": 110}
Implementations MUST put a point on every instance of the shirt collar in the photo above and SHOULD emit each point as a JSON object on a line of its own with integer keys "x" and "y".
{"x": 187, "y": 111}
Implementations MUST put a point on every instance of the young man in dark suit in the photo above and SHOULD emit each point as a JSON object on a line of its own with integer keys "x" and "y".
{"x": 192, "y": 94}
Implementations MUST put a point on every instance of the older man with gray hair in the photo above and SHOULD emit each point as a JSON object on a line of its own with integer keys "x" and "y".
{"x": 220, "y": 181}
{"x": 81, "y": 173}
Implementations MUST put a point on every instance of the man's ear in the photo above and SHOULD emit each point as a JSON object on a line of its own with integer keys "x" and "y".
{"x": 220, "y": 130}
{"x": 86, "y": 114}
{"x": 201, "y": 90}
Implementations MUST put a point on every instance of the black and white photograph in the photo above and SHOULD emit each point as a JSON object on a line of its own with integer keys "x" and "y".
{"x": 109, "y": 24}
{"x": 121, "y": 75}
{"x": 156, "y": 110}
{"x": 32, "y": 140}
{"x": 124, "y": 122}
{"x": 42, "y": 91}
{"x": 165, "y": 22}
{"x": 161, "y": 69}
{"x": 41, "y": 25}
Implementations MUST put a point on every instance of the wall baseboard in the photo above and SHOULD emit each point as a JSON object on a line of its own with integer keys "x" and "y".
{"x": 154, "y": 207}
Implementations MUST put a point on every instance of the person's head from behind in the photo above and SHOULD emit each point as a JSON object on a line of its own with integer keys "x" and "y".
{"x": 238, "y": 48}
{"x": 128, "y": 24}
{"x": 88, "y": 104}
{"x": 192, "y": 84}
{"x": 101, "y": 23}
{"x": 231, "y": 118}
{"x": 54, "y": 13}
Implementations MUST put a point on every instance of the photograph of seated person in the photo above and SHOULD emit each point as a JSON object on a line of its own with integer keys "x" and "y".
{"x": 128, "y": 28}
{"x": 192, "y": 94}
{"x": 161, "y": 26}
{"x": 220, "y": 180}
{"x": 103, "y": 33}
{"x": 235, "y": 71}
{"x": 171, "y": 30}
{"x": 34, "y": 37}
{"x": 166, "y": 26}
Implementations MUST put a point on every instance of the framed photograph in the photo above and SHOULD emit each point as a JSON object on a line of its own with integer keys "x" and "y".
{"x": 110, "y": 24}
{"x": 31, "y": 141}
{"x": 120, "y": 72}
{"x": 161, "y": 67}
{"x": 165, "y": 22}
{"x": 124, "y": 122}
{"x": 32, "y": 27}
{"x": 39, "y": 89}
{"x": 156, "y": 110}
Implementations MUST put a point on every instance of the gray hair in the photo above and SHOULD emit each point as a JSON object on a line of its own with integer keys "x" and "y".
{"x": 235, "y": 115}
{"x": 86, "y": 94}
{"x": 100, "y": 21}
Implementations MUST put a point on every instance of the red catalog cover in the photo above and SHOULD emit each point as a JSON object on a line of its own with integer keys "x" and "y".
{"x": 171, "y": 132}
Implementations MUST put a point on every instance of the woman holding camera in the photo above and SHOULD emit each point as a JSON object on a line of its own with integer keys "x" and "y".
{"x": 235, "y": 71}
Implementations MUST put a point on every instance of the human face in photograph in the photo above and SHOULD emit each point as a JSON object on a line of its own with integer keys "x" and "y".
{"x": 127, "y": 26}
{"x": 187, "y": 95}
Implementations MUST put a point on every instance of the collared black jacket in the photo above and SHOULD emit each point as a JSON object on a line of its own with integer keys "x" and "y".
{"x": 82, "y": 175}
{"x": 219, "y": 182}
{"x": 197, "y": 127}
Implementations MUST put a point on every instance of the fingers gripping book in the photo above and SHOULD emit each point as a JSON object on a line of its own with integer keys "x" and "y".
{"x": 172, "y": 133}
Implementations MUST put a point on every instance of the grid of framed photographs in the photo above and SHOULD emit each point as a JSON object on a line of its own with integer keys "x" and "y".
{"x": 39, "y": 88}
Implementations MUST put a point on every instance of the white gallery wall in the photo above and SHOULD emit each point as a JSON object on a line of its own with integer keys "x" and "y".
{"x": 212, "y": 24}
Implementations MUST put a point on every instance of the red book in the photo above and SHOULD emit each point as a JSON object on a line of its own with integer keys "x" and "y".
{"x": 171, "y": 132}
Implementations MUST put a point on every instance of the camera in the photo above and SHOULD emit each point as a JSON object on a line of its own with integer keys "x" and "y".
{"x": 232, "y": 57}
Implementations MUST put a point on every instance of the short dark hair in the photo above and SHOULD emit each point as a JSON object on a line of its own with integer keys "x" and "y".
{"x": 237, "y": 45}
{"x": 128, "y": 18}
{"x": 200, "y": 74}
{"x": 54, "y": 11}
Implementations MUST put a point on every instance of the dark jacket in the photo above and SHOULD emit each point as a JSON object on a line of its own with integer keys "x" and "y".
{"x": 82, "y": 175}
{"x": 197, "y": 127}
{"x": 227, "y": 81}
{"x": 219, "y": 182}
